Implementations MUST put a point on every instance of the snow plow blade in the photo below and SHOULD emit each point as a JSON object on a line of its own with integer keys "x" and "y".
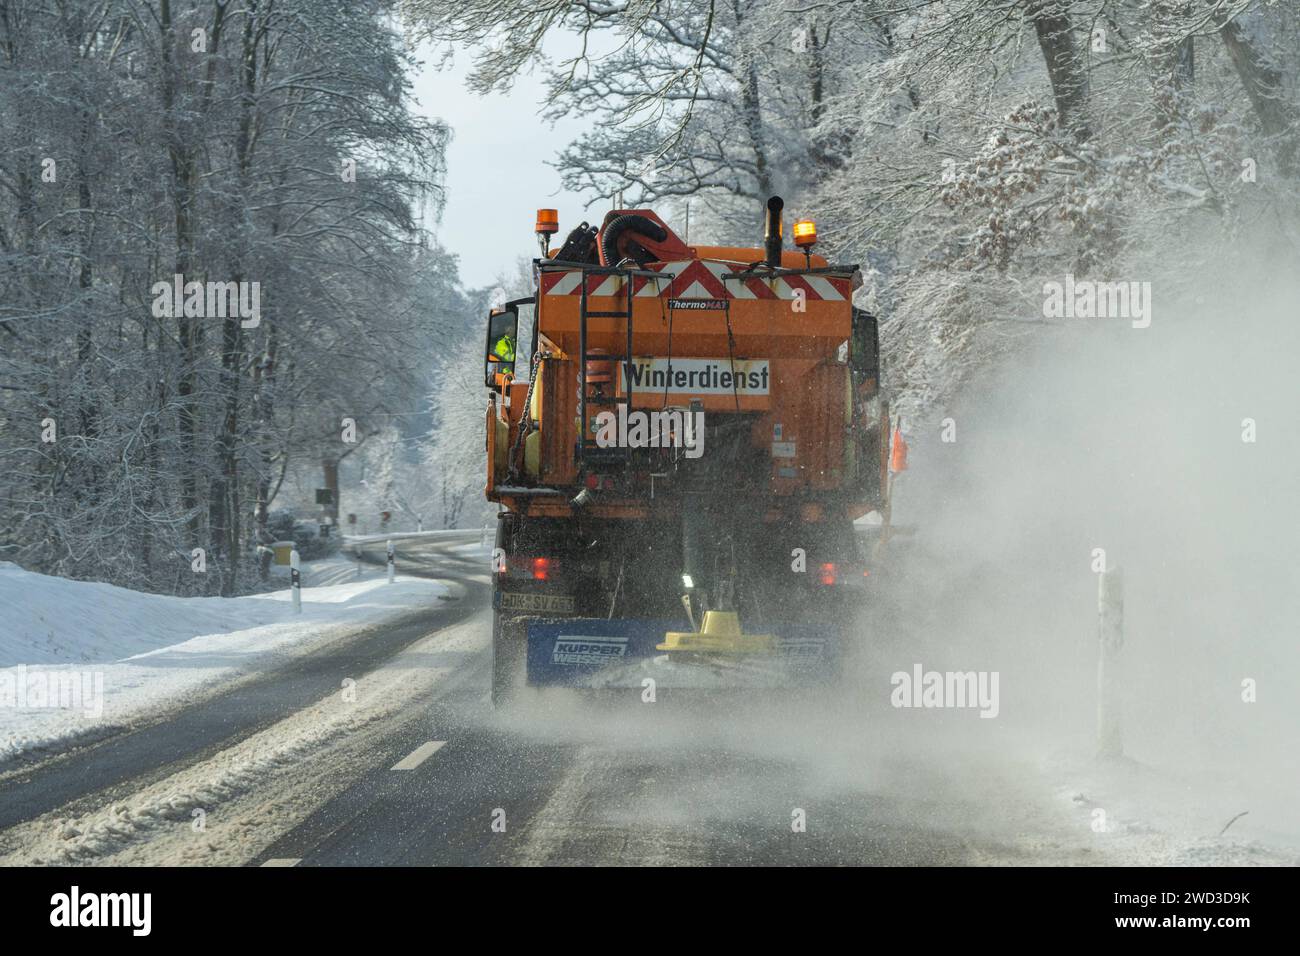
{"x": 595, "y": 653}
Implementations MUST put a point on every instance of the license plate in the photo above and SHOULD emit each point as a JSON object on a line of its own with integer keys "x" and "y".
{"x": 541, "y": 603}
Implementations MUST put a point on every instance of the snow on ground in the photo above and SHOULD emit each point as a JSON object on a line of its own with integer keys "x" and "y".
{"x": 226, "y": 808}
{"x": 1155, "y": 814}
{"x": 79, "y": 658}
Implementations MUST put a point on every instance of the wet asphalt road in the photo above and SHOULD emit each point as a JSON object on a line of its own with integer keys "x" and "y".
{"x": 557, "y": 781}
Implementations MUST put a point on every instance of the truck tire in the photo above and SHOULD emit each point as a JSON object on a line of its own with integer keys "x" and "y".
{"x": 507, "y": 670}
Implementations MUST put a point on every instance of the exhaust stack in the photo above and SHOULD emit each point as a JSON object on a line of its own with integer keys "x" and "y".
{"x": 772, "y": 232}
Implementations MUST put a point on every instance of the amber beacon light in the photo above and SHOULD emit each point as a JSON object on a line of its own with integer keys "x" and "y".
{"x": 805, "y": 234}
{"x": 548, "y": 224}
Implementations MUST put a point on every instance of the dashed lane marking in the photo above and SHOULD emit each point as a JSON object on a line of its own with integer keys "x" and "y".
{"x": 419, "y": 755}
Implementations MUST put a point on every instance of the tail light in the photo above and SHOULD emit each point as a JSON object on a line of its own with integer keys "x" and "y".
{"x": 828, "y": 576}
{"x": 521, "y": 567}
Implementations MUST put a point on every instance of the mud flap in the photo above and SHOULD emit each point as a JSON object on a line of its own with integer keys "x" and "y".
{"x": 595, "y": 653}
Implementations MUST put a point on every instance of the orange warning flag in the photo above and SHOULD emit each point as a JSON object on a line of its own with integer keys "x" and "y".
{"x": 898, "y": 452}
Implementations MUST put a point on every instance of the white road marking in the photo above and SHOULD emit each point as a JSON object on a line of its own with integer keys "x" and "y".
{"x": 419, "y": 755}
{"x": 283, "y": 861}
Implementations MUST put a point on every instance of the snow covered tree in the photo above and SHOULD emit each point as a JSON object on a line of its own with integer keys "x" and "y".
{"x": 267, "y": 148}
{"x": 962, "y": 149}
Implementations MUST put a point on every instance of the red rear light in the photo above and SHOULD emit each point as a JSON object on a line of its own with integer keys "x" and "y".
{"x": 541, "y": 568}
{"x": 593, "y": 482}
{"x": 609, "y": 483}
{"x": 828, "y": 573}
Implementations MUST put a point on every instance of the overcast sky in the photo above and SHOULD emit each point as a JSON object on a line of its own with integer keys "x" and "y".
{"x": 497, "y": 177}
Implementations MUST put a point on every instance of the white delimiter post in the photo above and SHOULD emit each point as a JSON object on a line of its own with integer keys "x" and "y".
{"x": 295, "y": 581}
{"x": 392, "y": 562}
{"x": 1110, "y": 638}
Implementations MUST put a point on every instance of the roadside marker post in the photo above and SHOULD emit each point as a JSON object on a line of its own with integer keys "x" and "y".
{"x": 392, "y": 562}
{"x": 295, "y": 581}
{"x": 1110, "y": 639}
{"x": 357, "y": 552}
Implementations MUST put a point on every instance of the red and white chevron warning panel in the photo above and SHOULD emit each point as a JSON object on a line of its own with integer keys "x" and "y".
{"x": 700, "y": 279}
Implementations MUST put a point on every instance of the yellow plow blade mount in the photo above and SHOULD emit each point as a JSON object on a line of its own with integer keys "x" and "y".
{"x": 720, "y": 634}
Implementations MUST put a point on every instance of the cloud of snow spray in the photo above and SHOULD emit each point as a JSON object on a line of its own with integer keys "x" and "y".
{"x": 1173, "y": 448}
{"x": 1098, "y": 436}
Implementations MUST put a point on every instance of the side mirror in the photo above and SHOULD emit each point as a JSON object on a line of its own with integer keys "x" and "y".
{"x": 502, "y": 343}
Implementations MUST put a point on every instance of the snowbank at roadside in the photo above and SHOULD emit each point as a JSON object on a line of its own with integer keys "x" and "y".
{"x": 1140, "y": 814}
{"x": 78, "y": 658}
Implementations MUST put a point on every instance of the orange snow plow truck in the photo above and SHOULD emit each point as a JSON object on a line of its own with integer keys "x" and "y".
{"x": 680, "y": 438}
